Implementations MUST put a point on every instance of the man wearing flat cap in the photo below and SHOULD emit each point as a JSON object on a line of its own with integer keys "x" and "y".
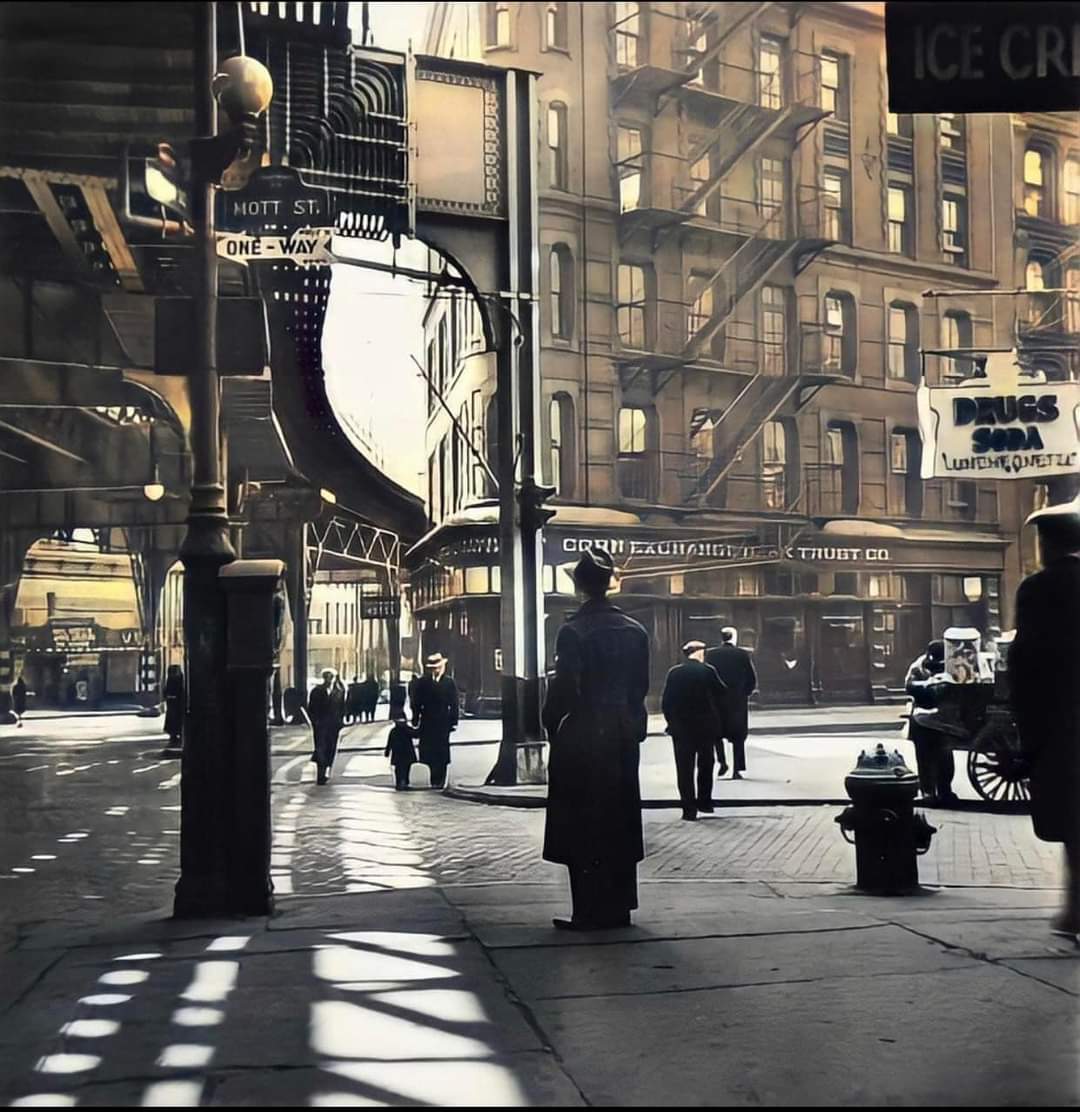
{"x": 1044, "y": 682}
{"x": 693, "y": 704}
{"x": 595, "y": 718}
{"x": 435, "y": 714}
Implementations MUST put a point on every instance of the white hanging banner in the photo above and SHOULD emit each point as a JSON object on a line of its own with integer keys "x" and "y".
{"x": 1006, "y": 425}
{"x": 306, "y": 246}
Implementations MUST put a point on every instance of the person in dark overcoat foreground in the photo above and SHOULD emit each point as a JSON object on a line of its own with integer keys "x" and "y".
{"x": 693, "y": 704}
{"x": 174, "y": 703}
{"x": 18, "y": 698}
{"x": 1044, "y": 684}
{"x": 399, "y": 748}
{"x": 435, "y": 715}
{"x": 595, "y": 719}
{"x": 326, "y": 708}
{"x": 736, "y": 668}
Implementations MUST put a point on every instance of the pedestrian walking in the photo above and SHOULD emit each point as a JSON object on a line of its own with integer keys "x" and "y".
{"x": 326, "y": 709}
{"x": 435, "y": 715}
{"x": 397, "y": 701}
{"x": 371, "y": 697}
{"x": 18, "y": 699}
{"x": 1044, "y": 684}
{"x": 736, "y": 668}
{"x": 174, "y": 704}
{"x": 933, "y": 756}
{"x": 399, "y": 748}
{"x": 354, "y": 701}
{"x": 595, "y": 718}
{"x": 693, "y": 704}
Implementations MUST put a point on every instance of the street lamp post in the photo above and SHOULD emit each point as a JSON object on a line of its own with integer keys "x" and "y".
{"x": 244, "y": 88}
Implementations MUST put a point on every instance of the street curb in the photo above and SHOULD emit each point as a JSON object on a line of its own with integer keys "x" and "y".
{"x": 503, "y": 799}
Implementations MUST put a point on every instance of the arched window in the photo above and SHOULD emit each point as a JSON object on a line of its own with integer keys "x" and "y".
{"x": 903, "y": 351}
{"x": 840, "y": 469}
{"x": 561, "y": 271}
{"x": 905, "y": 465}
{"x": 498, "y": 23}
{"x": 635, "y": 463}
{"x": 1035, "y": 275}
{"x": 1072, "y": 190}
{"x": 627, "y": 35}
{"x": 561, "y": 458}
{"x": 840, "y": 339}
{"x": 556, "y": 127}
{"x": 1038, "y": 173}
{"x": 555, "y": 26}
{"x": 957, "y": 336}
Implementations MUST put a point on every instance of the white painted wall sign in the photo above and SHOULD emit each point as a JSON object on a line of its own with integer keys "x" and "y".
{"x": 1007, "y": 425}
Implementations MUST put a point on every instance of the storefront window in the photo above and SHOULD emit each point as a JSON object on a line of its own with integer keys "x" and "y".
{"x": 476, "y": 581}
{"x": 496, "y": 580}
{"x": 973, "y": 588}
{"x": 564, "y": 579}
{"x": 747, "y": 583}
{"x": 548, "y": 579}
{"x": 458, "y": 581}
{"x": 677, "y": 584}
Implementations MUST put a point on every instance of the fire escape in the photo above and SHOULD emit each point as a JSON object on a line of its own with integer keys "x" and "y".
{"x": 748, "y": 239}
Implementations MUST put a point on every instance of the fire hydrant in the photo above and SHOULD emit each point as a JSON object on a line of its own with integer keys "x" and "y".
{"x": 889, "y": 836}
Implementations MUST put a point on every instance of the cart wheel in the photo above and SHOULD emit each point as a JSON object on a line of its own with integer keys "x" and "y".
{"x": 994, "y": 766}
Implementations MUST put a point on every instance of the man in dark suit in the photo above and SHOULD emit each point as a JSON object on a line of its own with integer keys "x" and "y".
{"x": 595, "y": 719}
{"x": 693, "y": 704}
{"x": 326, "y": 706}
{"x": 734, "y": 666}
{"x": 1044, "y": 683}
{"x": 435, "y": 715}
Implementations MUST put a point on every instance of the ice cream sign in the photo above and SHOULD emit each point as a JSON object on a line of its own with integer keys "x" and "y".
{"x": 1006, "y": 425}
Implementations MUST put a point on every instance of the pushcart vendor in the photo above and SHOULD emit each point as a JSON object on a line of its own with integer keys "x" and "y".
{"x": 933, "y": 755}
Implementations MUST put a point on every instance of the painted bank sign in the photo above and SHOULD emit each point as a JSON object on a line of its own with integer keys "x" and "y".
{"x": 1007, "y": 425}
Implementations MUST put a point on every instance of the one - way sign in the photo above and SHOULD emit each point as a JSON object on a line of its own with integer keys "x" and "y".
{"x": 307, "y": 246}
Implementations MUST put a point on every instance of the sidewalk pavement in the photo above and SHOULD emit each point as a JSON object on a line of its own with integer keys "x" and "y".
{"x": 415, "y": 989}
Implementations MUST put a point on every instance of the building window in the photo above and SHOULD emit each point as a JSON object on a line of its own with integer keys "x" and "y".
{"x": 561, "y": 459}
{"x": 840, "y": 476}
{"x": 443, "y": 375}
{"x": 898, "y": 124}
{"x": 556, "y": 137}
{"x": 432, "y": 372}
{"x": 630, "y": 308}
{"x": 629, "y": 164}
{"x": 899, "y": 220}
{"x": 773, "y": 330}
{"x": 954, "y": 228}
{"x": 498, "y": 24}
{"x": 697, "y": 37}
{"x": 1035, "y": 275}
{"x": 951, "y": 131}
{"x": 899, "y": 453}
{"x": 476, "y": 581}
{"x": 491, "y": 437}
{"x": 905, "y": 457}
{"x": 700, "y": 170}
{"x": 1072, "y": 190}
{"x": 834, "y": 93}
{"x": 1072, "y": 298}
{"x": 700, "y": 308}
{"x": 837, "y": 206}
{"x": 903, "y": 350}
{"x": 562, "y": 291}
{"x": 555, "y": 26}
{"x": 627, "y": 34}
{"x": 774, "y": 466}
{"x": 635, "y": 462}
{"x": 840, "y": 333}
{"x": 957, "y": 338}
{"x": 771, "y": 191}
{"x": 771, "y": 72}
{"x": 1036, "y": 175}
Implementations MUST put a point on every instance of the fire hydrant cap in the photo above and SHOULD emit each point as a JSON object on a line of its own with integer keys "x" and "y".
{"x": 881, "y": 770}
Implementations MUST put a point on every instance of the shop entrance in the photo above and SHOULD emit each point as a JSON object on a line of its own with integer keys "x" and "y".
{"x": 840, "y": 661}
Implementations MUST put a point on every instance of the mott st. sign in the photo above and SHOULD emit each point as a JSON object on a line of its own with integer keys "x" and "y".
{"x": 1006, "y": 425}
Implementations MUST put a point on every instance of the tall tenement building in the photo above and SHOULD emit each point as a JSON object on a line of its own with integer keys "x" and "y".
{"x": 736, "y": 237}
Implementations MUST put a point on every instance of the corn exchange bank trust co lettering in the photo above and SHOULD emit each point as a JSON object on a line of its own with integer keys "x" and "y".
{"x": 725, "y": 550}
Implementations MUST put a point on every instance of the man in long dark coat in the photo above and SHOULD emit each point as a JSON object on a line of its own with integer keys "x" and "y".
{"x": 435, "y": 714}
{"x": 595, "y": 718}
{"x": 693, "y": 704}
{"x": 326, "y": 708}
{"x": 174, "y": 703}
{"x": 371, "y": 697}
{"x": 1044, "y": 682}
{"x": 735, "y": 667}
{"x": 354, "y": 702}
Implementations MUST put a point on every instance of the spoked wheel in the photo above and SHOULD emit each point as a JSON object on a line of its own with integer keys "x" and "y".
{"x": 994, "y": 766}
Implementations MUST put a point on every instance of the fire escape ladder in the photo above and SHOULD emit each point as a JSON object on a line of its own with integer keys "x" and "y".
{"x": 748, "y": 267}
{"x": 761, "y": 399}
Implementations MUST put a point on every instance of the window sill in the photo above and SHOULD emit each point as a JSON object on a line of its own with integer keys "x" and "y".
{"x": 552, "y": 49}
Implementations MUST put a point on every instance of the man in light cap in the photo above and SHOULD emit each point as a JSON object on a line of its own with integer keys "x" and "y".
{"x": 1044, "y": 682}
{"x": 435, "y": 714}
{"x": 595, "y": 718}
{"x": 693, "y": 704}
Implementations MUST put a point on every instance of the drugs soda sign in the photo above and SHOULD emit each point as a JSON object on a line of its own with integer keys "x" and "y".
{"x": 1006, "y": 425}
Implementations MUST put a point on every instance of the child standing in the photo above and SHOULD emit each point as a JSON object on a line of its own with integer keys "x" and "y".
{"x": 399, "y": 748}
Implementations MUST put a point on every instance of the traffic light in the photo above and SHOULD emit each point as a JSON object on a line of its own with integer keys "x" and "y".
{"x": 531, "y": 498}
